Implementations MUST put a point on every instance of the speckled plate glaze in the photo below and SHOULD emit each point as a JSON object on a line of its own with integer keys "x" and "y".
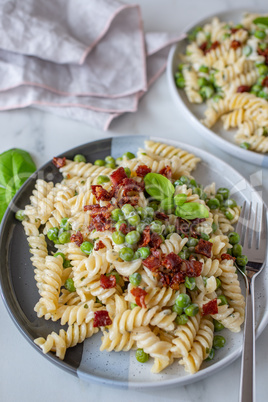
{"x": 85, "y": 360}
{"x": 194, "y": 112}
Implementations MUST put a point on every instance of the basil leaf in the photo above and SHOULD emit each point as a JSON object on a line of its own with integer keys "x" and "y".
{"x": 16, "y": 166}
{"x": 261, "y": 21}
{"x": 158, "y": 186}
{"x": 180, "y": 199}
{"x": 192, "y": 210}
{"x": 168, "y": 205}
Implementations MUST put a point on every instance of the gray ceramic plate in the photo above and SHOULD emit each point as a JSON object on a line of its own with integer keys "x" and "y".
{"x": 195, "y": 112}
{"x": 85, "y": 360}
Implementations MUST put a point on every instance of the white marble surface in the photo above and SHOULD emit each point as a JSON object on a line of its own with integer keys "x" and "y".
{"x": 24, "y": 374}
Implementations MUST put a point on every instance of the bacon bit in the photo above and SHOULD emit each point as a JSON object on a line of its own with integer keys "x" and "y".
{"x": 77, "y": 238}
{"x": 101, "y": 194}
{"x": 124, "y": 228}
{"x": 172, "y": 261}
{"x": 100, "y": 223}
{"x": 235, "y": 44}
{"x": 265, "y": 82}
{"x": 101, "y": 319}
{"x": 59, "y": 162}
{"x": 143, "y": 170}
{"x": 203, "y": 46}
{"x": 145, "y": 237}
{"x": 192, "y": 268}
{"x": 157, "y": 253}
{"x": 107, "y": 282}
{"x": 188, "y": 228}
{"x": 226, "y": 256}
{"x": 243, "y": 88}
{"x": 139, "y": 295}
{"x": 161, "y": 216}
{"x": 152, "y": 263}
{"x": 210, "y": 308}
{"x": 213, "y": 46}
{"x": 130, "y": 185}
{"x": 263, "y": 53}
{"x": 98, "y": 210}
{"x": 118, "y": 176}
{"x": 155, "y": 240}
{"x": 204, "y": 247}
{"x": 133, "y": 200}
{"x": 177, "y": 279}
{"x": 234, "y": 30}
{"x": 166, "y": 171}
{"x": 99, "y": 245}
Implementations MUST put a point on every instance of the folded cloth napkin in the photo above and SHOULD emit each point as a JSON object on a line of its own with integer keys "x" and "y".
{"x": 87, "y": 60}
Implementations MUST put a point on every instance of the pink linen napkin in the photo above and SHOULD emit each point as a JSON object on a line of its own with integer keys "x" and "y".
{"x": 88, "y": 60}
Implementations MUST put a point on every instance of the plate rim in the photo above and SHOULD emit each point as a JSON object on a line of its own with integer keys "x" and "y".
{"x": 107, "y": 381}
{"x": 254, "y": 157}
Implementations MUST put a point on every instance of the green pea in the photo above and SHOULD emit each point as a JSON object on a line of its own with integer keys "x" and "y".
{"x": 260, "y": 34}
{"x": 206, "y": 91}
{"x": 180, "y": 68}
{"x": 184, "y": 255}
{"x": 260, "y": 80}
{"x": 262, "y": 69}
{"x": 180, "y": 81}
{"x": 117, "y": 214}
{"x": 111, "y": 165}
{"x": 218, "y": 283}
{"x": 234, "y": 238}
{"x": 87, "y": 247}
{"x": 65, "y": 225}
{"x": 154, "y": 205}
{"x": 219, "y": 197}
{"x": 263, "y": 46}
{"x": 133, "y": 305}
{"x": 133, "y": 219}
{"x": 223, "y": 300}
{"x": 183, "y": 300}
{"x": 20, "y": 215}
{"x": 265, "y": 131}
{"x": 263, "y": 94}
{"x": 67, "y": 264}
{"x": 64, "y": 237}
{"x": 170, "y": 229}
{"x": 229, "y": 215}
{"x": 202, "y": 81}
{"x": 204, "y": 69}
{"x": 119, "y": 223}
{"x": 242, "y": 260}
{"x": 144, "y": 252}
{"x": 192, "y": 242}
{"x": 126, "y": 254}
{"x": 191, "y": 310}
{"x": 102, "y": 179}
{"x": 69, "y": 285}
{"x": 61, "y": 254}
{"x": 229, "y": 251}
{"x": 226, "y": 35}
{"x": 192, "y": 35}
{"x": 135, "y": 279}
{"x": 224, "y": 192}
{"x": 237, "y": 250}
{"x": 197, "y": 190}
{"x": 230, "y": 203}
{"x": 118, "y": 237}
{"x": 190, "y": 283}
{"x": 149, "y": 212}
{"x": 210, "y": 355}
{"x": 205, "y": 236}
{"x": 176, "y": 309}
{"x": 119, "y": 160}
{"x": 53, "y": 233}
{"x": 247, "y": 50}
{"x": 142, "y": 212}
{"x": 79, "y": 158}
{"x": 216, "y": 98}
{"x": 133, "y": 237}
{"x": 156, "y": 227}
{"x": 182, "y": 319}
{"x": 213, "y": 203}
{"x": 115, "y": 274}
{"x": 99, "y": 162}
{"x": 218, "y": 342}
{"x": 129, "y": 155}
{"x": 217, "y": 326}
{"x": 214, "y": 227}
{"x": 255, "y": 89}
{"x": 127, "y": 171}
{"x": 141, "y": 356}
{"x": 109, "y": 159}
{"x": 127, "y": 209}
{"x": 141, "y": 226}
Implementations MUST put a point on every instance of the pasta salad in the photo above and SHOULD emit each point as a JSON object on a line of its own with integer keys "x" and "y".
{"x": 226, "y": 67}
{"x": 137, "y": 249}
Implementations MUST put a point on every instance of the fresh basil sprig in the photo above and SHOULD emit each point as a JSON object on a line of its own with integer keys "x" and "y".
{"x": 261, "y": 21}
{"x": 16, "y": 166}
{"x": 159, "y": 187}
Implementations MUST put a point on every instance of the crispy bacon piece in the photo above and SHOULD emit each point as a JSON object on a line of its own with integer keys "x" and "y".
{"x": 139, "y": 295}
{"x": 157, "y": 253}
{"x": 155, "y": 240}
{"x": 100, "y": 223}
{"x": 101, "y": 194}
{"x": 235, "y": 44}
{"x": 145, "y": 237}
{"x": 243, "y": 88}
{"x": 204, "y": 247}
{"x": 77, "y": 238}
{"x": 226, "y": 256}
{"x": 203, "y": 46}
{"x": 177, "y": 279}
{"x": 192, "y": 268}
{"x": 164, "y": 279}
{"x": 124, "y": 228}
{"x": 263, "y": 53}
{"x": 213, "y": 46}
{"x": 265, "y": 82}
{"x": 130, "y": 185}
{"x": 118, "y": 176}
{"x": 99, "y": 245}
{"x": 161, "y": 216}
{"x": 166, "y": 171}
{"x": 59, "y": 162}
{"x": 210, "y": 308}
{"x": 98, "y": 210}
{"x": 101, "y": 319}
{"x": 107, "y": 282}
{"x": 172, "y": 261}
{"x": 234, "y": 30}
{"x": 152, "y": 263}
{"x": 143, "y": 170}
{"x": 133, "y": 200}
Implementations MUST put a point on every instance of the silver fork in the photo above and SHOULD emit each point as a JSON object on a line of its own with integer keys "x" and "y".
{"x": 252, "y": 227}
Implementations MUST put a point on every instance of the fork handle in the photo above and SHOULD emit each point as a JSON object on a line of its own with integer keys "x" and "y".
{"x": 247, "y": 380}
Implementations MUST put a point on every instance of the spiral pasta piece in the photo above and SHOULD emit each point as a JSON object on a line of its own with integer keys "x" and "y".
{"x": 184, "y": 336}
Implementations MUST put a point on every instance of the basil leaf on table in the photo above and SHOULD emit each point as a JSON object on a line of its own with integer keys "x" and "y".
{"x": 158, "y": 186}
{"x": 192, "y": 210}
{"x": 16, "y": 166}
{"x": 261, "y": 21}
